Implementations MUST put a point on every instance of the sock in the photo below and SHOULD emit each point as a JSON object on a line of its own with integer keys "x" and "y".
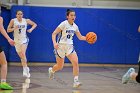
{"x": 3, "y": 80}
{"x": 75, "y": 78}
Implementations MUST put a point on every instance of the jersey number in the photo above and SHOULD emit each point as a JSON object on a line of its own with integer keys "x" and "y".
{"x": 69, "y": 36}
{"x": 19, "y": 31}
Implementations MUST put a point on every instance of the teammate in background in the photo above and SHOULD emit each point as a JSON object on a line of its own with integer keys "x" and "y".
{"x": 18, "y": 25}
{"x": 64, "y": 46}
{"x": 3, "y": 62}
{"x": 131, "y": 74}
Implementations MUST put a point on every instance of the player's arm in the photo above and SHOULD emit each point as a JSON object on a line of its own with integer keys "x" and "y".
{"x": 10, "y": 26}
{"x": 33, "y": 24}
{"x": 56, "y": 31}
{"x": 80, "y": 37}
{"x": 139, "y": 29}
{"x": 3, "y": 32}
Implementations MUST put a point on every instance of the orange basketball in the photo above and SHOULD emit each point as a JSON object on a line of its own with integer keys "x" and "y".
{"x": 91, "y": 37}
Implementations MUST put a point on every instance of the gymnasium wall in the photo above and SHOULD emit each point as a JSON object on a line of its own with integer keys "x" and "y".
{"x": 92, "y": 3}
{"x": 118, "y": 39}
{"x": 81, "y": 3}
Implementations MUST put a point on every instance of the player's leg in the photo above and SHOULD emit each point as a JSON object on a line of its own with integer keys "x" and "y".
{"x": 21, "y": 50}
{"x": 60, "y": 57}
{"x": 58, "y": 66}
{"x": 3, "y": 67}
{"x": 74, "y": 60}
{"x": 3, "y": 62}
{"x": 26, "y": 70}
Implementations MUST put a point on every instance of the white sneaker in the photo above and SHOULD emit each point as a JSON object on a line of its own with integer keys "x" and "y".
{"x": 126, "y": 77}
{"x": 26, "y": 72}
{"x": 51, "y": 74}
{"x": 77, "y": 84}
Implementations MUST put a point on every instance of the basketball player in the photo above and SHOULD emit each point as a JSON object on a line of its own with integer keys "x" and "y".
{"x": 18, "y": 25}
{"x": 64, "y": 46}
{"x": 131, "y": 74}
{"x": 3, "y": 62}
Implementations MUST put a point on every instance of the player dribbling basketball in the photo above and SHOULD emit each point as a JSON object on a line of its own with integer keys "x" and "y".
{"x": 64, "y": 46}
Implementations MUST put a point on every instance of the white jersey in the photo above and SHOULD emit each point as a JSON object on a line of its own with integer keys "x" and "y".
{"x": 20, "y": 33}
{"x": 67, "y": 33}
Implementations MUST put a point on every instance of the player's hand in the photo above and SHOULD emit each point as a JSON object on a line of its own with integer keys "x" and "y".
{"x": 56, "y": 46}
{"x": 11, "y": 42}
{"x": 29, "y": 30}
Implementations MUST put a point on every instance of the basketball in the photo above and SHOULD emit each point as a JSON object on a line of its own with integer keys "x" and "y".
{"x": 91, "y": 37}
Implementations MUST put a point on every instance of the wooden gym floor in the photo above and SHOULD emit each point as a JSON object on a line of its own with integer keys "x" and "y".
{"x": 94, "y": 79}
